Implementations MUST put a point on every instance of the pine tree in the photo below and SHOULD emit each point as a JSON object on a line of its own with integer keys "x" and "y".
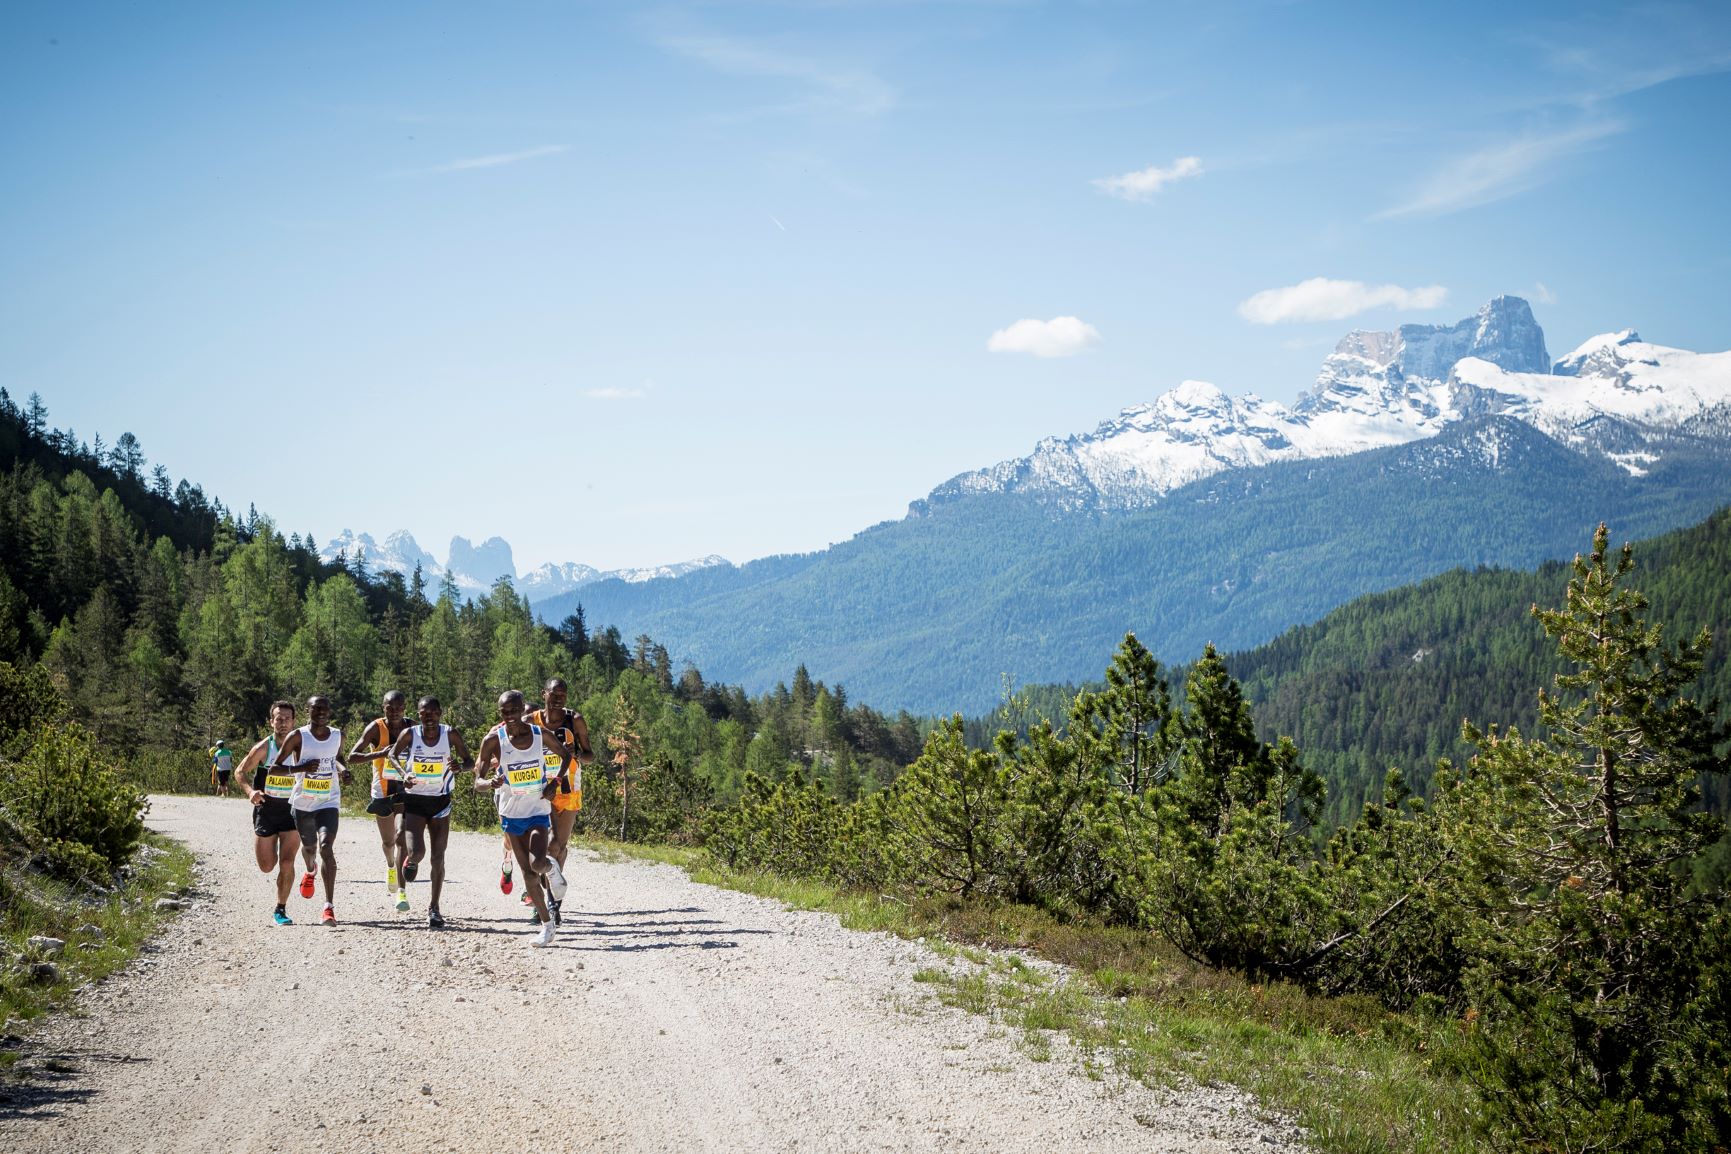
{"x": 1595, "y": 965}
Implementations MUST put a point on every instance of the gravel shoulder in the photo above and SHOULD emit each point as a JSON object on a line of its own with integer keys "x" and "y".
{"x": 668, "y": 1016}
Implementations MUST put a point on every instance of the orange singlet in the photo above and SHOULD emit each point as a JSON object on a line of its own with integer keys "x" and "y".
{"x": 569, "y": 799}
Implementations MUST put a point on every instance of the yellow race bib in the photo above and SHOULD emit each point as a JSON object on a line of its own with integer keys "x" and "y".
{"x": 278, "y": 785}
{"x": 526, "y": 778}
{"x": 319, "y": 785}
{"x": 427, "y": 771}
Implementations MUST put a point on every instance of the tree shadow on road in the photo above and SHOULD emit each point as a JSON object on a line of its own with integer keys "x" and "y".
{"x": 588, "y": 932}
{"x": 43, "y": 1084}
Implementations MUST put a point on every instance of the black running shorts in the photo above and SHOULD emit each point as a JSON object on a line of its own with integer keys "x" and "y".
{"x": 428, "y": 806}
{"x": 272, "y": 816}
{"x": 385, "y": 806}
{"x": 311, "y": 821}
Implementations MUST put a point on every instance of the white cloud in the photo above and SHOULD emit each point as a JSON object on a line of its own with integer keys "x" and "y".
{"x": 1322, "y": 299}
{"x": 1142, "y": 185}
{"x": 498, "y": 159}
{"x": 1542, "y": 294}
{"x": 1058, "y": 337}
{"x": 1500, "y": 171}
{"x": 615, "y": 394}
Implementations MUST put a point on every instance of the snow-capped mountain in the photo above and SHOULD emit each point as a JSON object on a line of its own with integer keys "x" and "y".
{"x": 474, "y": 568}
{"x": 1615, "y": 396}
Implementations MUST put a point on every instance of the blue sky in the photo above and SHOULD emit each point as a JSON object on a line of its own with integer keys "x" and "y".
{"x": 628, "y": 285}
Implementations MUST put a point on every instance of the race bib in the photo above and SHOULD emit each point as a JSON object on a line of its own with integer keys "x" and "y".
{"x": 428, "y": 772}
{"x": 527, "y": 779}
{"x": 278, "y": 785}
{"x": 318, "y": 785}
{"x": 391, "y": 771}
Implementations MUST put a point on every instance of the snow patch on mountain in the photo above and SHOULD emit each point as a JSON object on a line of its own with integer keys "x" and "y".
{"x": 1615, "y": 395}
{"x": 475, "y": 568}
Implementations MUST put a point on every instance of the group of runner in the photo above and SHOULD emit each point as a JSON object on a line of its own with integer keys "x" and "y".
{"x": 530, "y": 762}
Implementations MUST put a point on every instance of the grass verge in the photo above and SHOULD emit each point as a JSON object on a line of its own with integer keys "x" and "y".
{"x": 102, "y": 932}
{"x": 1359, "y": 1079}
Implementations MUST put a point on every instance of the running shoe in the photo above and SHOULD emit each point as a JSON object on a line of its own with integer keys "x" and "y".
{"x": 505, "y": 876}
{"x": 409, "y": 869}
{"x": 555, "y": 880}
{"x": 329, "y": 917}
{"x": 545, "y": 937}
{"x": 281, "y": 918}
{"x": 391, "y": 879}
{"x": 402, "y": 901}
{"x": 307, "y": 884}
{"x": 435, "y": 920}
{"x": 526, "y": 899}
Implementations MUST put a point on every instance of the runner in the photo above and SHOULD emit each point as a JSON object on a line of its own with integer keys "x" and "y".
{"x": 315, "y": 752}
{"x": 387, "y": 788}
{"x": 430, "y": 749}
{"x": 221, "y": 766}
{"x": 277, "y": 839}
{"x": 569, "y": 727}
{"x": 523, "y": 792}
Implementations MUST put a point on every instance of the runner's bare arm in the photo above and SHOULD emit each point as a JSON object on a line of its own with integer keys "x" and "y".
{"x": 290, "y": 747}
{"x": 461, "y": 749}
{"x": 549, "y": 741}
{"x": 250, "y": 762}
{"x": 585, "y": 752}
{"x": 364, "y": 749}
{"x": 489, "y": 759}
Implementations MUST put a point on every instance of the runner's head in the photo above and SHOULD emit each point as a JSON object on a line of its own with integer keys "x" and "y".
{"x": 282, "y": 718}
{"x": 511, "y": 705}
{"x": 429, "y": 710}
{"x": 319, "y": 709}
{"x": 396, "y": 704}
{"x": 554, "y": 694}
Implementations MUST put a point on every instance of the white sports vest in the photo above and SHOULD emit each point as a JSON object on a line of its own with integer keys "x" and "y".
{"x": 317, "y": 786}
{"x": 525, "y": 777}
{"x": 429, "y": 766}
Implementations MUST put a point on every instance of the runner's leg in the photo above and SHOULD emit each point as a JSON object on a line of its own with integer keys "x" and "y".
{"x": 328, "y": 855}
{"x": 521, "y": 851}
{"x": 563, "y": 821}
{"x": 439, "y": 829}
{"x": 288, "y": 843}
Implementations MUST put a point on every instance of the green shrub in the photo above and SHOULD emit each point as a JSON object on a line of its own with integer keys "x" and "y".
{"x": 64, "y": 794}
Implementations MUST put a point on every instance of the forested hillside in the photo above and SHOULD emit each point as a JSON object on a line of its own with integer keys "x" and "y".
{"x": 1386, "y": 680}
{"x": 167, "y": 623}
{"x": 930, "y": 612}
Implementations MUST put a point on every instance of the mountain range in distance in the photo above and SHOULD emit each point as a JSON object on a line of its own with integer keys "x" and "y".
{"x": 1197, "y": 517}
{"x": 1201, "y": 517}
{"x": 475, "y": 567}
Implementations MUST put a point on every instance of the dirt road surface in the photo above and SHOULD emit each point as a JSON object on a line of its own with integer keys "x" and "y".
{"x": 668, "y": 1016}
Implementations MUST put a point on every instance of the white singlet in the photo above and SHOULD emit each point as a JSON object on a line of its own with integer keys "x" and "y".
{"x": 525, "y": 777}
{"x": 318, "y": 786}
{"x": 429, "y": 766}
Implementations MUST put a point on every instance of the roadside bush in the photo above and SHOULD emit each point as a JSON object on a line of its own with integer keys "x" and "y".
{"x": 65, "y": 795}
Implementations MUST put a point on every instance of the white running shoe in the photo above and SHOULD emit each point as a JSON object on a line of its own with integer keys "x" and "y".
{"x": 545, "y": 936}
{"x": 556, "y": 880}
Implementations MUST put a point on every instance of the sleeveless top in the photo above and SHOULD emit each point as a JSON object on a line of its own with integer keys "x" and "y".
{"x": 276, "y": 784}
{"x": 525, "y": 777}
{"x": 566, "y": 731}
{"x": 316, "y": 783}
{"x": 430, "y": 771}
{"x": 385, "y": 776}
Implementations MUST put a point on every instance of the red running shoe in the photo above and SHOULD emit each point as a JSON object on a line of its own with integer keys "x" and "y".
{"x": 307, "y": 885}
{"x": 329, "y": 917}
{"x": 505, "y": 882}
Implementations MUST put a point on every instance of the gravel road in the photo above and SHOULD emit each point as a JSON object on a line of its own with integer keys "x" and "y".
{"x": 669, "y": 1016}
